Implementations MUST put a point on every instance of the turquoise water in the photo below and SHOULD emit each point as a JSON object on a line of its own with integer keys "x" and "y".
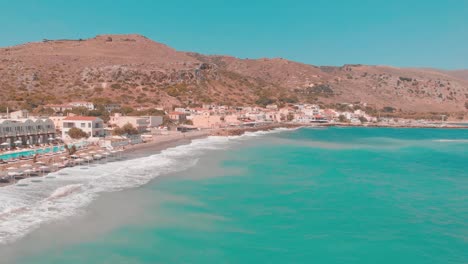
{"x": 336, "y": 195}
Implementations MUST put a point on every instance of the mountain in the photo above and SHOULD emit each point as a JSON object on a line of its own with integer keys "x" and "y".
{"x": 136, "y": 71}
{"x": 461, "y": 74}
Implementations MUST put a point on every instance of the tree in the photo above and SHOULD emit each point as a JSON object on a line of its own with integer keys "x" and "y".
{"x": 126, "y": 110}
{"x": 128, "y": 129}
{"x": 263, "y": 101}
{"x": 45, "y": 111}
{"x": 77, "y": 133}
{"x": 72, "y": 150}
{"x": 190, "y": 122}
{"x": 81, "y": 110}
{"x": 363, "y": 119}
{"x": 117, "y": 131}
{"x": 100, "y": 111}
{"x": 289, "y": 100}
{"x": 342, "y": 119}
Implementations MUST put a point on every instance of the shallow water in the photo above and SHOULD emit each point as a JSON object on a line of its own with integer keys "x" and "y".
{"x": 336, "y": 195}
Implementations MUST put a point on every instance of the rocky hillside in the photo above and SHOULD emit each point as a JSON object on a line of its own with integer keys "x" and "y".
{"x": 137, "y": 71}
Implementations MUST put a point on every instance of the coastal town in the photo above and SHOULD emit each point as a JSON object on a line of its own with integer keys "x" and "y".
{"x": 81, "y": 132}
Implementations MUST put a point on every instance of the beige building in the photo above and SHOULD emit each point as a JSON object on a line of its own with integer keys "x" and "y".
{"x": 57, "y": 121}
{"x": 207, "y": 121}
{"x": 178, "y": 116}
{"x": 142, "y": 123}
{"x": 232, "y": 120}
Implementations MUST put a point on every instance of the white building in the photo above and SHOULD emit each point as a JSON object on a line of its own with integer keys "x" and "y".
{"x": 88, "y": 105}
{"x": 111, "y": 107}
{"x": 93, "y": 126}
{"x": 19, "y": 114}
{"x": 59, "y": 108}
{"x": 27, "y": 130}
{"x": 272, "y": 107}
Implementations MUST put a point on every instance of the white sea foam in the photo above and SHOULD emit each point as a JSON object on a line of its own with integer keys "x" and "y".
{"x": 25, "y": 208}
{"x": 452, "y": 140}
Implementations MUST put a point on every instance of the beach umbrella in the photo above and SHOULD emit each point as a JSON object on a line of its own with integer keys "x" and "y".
{"x": 5, "y": 144}
{"x": 56, "y": 165}
{"x": 11, "y": 173}
{"x": 28, "y": 172}
{"x": 44, "y": 169}
{"x": 88, "y": 159}
{"x": 26, "y": 166}
{"x": 51, "y": 139}
{"x": 18, "y": 142}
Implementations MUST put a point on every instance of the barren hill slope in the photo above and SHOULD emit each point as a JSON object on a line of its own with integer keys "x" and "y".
{"x": 135, "y": 70}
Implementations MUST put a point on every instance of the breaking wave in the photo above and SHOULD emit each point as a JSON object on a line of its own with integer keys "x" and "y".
{"x": 23, "y": 208}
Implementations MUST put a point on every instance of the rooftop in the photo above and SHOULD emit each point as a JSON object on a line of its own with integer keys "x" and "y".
{"x": 81, "y": 118}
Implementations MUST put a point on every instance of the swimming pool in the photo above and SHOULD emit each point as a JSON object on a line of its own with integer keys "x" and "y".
{"x": 32, "y": 152}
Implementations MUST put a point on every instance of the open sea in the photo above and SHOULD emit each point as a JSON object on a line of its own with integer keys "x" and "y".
{"x": 328, "y": 195}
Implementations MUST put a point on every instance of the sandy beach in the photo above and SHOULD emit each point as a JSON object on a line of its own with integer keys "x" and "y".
{"x": 155, "y": 144}
{"x": 158, "y": 143}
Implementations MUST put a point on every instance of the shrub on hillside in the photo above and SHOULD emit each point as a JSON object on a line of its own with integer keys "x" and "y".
{"x": 263, "y": 101}
{"x": 389, "y": 109}
{"x": 406, "y": 79}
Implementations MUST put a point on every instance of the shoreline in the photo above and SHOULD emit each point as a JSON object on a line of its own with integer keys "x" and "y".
{"x": 158, "y": 144}
{"x": 440, "y": 126}
{"x": 161, "y": 142}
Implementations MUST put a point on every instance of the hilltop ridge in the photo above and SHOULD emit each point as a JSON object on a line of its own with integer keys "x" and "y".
{"x": 134, "y": 70}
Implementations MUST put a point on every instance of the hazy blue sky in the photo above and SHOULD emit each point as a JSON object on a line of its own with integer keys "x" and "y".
{"x": 429, "y": 33}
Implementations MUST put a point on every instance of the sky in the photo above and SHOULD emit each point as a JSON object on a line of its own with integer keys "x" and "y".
{"x": 402, "y": 33}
